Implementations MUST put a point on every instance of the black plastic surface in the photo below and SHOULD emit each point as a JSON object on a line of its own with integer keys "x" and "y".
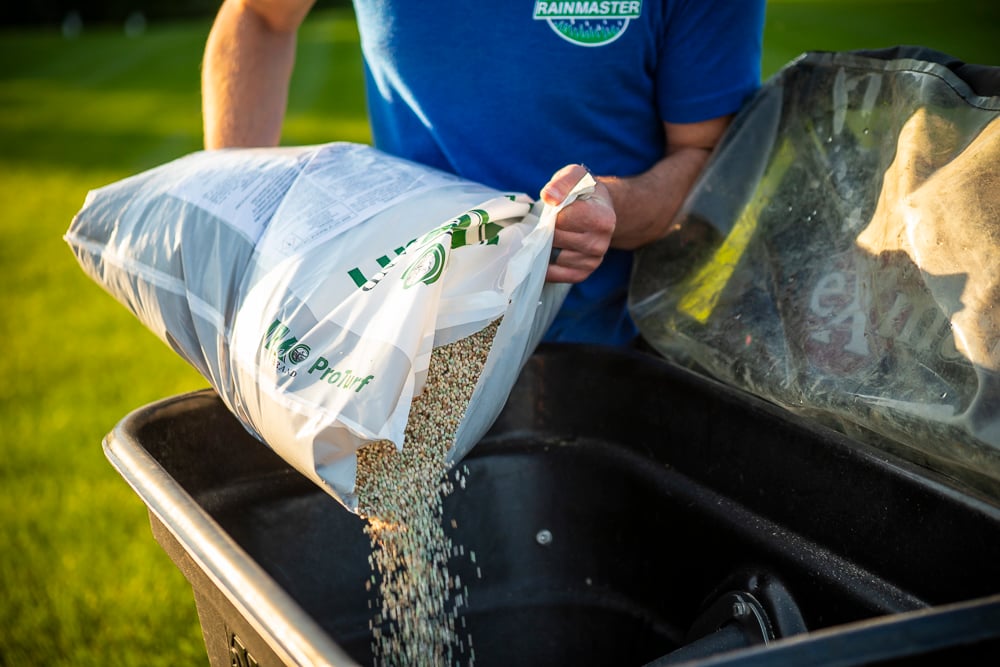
{"x": 661, "y": 491}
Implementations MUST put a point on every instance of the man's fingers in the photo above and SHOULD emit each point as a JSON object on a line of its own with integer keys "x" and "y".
{"x": 588, "y": 216}
{"x": 583, "y": 229}
{"x": 561, "y": 183}
{"x": 581, "y": 243}
{"x": 557, "y": 273}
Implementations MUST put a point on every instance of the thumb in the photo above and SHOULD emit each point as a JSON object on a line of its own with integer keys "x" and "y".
{"x": 562, "y": 183}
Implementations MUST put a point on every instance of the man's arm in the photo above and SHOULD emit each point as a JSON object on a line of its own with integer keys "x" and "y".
{"x": 246, "y": 70}
{"x": 646, "y": 204}
{"x": 628, "y": 212}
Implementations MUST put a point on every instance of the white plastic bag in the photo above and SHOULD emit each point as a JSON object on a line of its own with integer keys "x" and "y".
{"x": 309, "y": 285}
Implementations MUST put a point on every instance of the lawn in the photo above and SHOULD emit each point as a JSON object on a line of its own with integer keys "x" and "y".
{"x": 82, "y": 582}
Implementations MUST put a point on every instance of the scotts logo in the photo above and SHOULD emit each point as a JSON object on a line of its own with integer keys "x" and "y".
{"x": 287, "y": 353}
{"x": 589, "y": 23}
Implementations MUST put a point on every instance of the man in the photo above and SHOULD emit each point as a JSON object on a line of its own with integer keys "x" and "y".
{"x": 519, "y": 96}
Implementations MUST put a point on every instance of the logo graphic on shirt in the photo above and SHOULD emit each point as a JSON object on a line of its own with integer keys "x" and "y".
{"x": 588, "y": 23}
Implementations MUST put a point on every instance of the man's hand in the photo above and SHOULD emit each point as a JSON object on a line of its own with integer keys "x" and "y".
{"x": 627, "y": 212}
{"x": 583, "y": 229}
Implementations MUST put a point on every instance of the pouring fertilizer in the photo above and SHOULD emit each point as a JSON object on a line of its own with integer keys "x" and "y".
{"x": 363, "y": 316}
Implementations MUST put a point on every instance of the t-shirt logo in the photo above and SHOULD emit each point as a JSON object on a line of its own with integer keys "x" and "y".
{"x": 588, "y": 23}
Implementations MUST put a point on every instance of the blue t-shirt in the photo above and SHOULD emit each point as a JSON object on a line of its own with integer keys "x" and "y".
{"x": 506, "y": 93}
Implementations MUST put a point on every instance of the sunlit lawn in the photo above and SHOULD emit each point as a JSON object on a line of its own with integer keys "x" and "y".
{"x": 81, "y": 580}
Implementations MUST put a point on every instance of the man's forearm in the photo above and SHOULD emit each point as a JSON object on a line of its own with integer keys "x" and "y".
{"x": 245, "y": 76}
{"x": 646, "y": 204}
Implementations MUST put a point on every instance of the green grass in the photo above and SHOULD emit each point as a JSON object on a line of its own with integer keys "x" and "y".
{"x": 965, "y": 29}
{"x": 81, "y": 580}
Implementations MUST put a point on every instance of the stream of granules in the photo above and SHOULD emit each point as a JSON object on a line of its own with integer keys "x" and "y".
{"x": 400, "y": 495}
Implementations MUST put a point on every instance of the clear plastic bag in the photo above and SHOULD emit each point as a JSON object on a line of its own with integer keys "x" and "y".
{"x": 840, "y": 256}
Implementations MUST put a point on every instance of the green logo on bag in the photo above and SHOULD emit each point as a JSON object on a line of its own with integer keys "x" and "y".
{"x": 285, "y": 348}
{"x": 588, "y": 23}
{"x": 427, "y": 268}
{"x": 471, "y": 228}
